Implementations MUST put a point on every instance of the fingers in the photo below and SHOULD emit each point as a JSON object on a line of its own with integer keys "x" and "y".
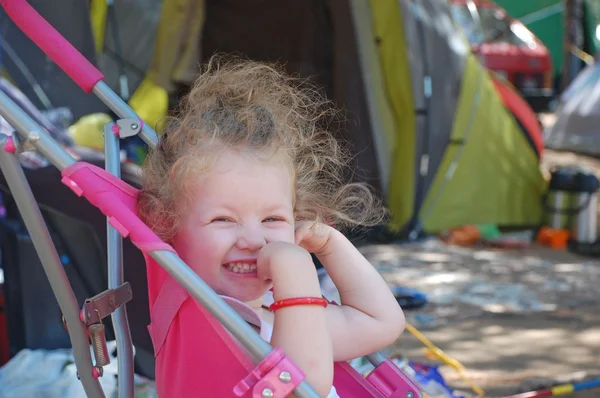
{"x": 279, "y": 255}
{"x": 304, "y": 230}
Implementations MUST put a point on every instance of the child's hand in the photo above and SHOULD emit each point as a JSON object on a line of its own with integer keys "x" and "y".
{"x": 291, "y": 269}
{"x": 279, "y": 255}
{"x": 313, "y": 236}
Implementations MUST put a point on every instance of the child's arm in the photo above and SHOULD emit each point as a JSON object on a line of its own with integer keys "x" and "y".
{"x": 369, "y": 317}
{"x": 301, "y": 331}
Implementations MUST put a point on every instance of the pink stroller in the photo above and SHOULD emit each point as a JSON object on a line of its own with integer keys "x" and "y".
{"x": 268, "y": 373}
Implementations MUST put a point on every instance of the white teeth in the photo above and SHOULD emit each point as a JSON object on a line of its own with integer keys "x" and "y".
{"x": 241, "y": 268}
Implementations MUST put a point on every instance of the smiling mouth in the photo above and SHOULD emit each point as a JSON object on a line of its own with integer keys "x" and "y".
{"x": 241, "y": 268}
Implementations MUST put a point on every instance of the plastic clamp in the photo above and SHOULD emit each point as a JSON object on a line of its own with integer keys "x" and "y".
{"x": 392, "y": 382}
{"x": 118, "y": 226}
{"x": 72, "y": 185}
{"x": 97, "y": 372}
{"x": 276, "y": 376}
{"x": 9, "y": 145}
{"x": 116, "y": 130}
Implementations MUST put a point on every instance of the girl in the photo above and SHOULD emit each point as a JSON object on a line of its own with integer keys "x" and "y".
{"x": 244, "y": 185}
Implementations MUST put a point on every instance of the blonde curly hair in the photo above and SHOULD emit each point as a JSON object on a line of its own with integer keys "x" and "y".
{"x": 251, "y": 106}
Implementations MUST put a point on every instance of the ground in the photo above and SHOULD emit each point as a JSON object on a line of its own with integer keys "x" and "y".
{"x": 513, "y": 318}
{"x": 508, "y": 316}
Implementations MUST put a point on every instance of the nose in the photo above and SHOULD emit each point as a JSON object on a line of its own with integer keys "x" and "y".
{"x": 251, "y": 237}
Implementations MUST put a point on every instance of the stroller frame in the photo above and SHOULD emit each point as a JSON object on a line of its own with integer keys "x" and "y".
{"x": 84, "y": 324}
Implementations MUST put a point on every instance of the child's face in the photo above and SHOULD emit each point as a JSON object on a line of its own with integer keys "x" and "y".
{"x": 240, "y": 205}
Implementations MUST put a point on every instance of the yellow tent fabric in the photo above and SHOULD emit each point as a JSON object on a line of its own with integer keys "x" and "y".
{"x": 495, "y": 176}
{"x": 395, "y": 69}
{"x": 176, "y": 52}
{"x": 98, "y": 15}
{"x": 174, "y": 60}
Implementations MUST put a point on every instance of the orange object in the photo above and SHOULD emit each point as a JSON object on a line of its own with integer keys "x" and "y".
{"x": 555, "y": 238}
{"x": 464, "y": 236}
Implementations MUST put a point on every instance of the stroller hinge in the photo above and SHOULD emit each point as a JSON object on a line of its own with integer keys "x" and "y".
{"x": 94, "y": 310}
{"x": 128, "y": 127}
{"x": 102, "y": 305}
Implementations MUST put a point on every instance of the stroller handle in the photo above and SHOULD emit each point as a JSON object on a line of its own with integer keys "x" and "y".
{"x": 53, "y": 44}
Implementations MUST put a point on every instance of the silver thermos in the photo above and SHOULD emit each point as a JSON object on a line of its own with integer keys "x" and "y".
{"x": 584, "y": 228}
{"x": 572, "y": 203}
{"x": 558, "y": 198}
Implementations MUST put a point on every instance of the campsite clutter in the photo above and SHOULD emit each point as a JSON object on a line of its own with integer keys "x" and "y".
{"x": 570, "y": 219}
{"x": 421, "y": 149}
{"x": 457, "y": 160}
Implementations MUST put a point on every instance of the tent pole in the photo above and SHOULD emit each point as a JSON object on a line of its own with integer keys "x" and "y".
{"x": 573, "y": 39}
{"x": 123, "y": 81}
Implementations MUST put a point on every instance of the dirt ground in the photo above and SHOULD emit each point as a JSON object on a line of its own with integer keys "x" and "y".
{"x": 510, "y": 317}
{"x": 513, "y": 318}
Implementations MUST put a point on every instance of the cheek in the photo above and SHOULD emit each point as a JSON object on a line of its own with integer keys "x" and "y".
{"x": 283, "y": 234}
{"x": 202, "y": 249}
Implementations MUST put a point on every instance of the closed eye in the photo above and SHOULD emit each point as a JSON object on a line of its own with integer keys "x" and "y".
{"x": 274, "y": 219}
{"x": 222, "y": 219}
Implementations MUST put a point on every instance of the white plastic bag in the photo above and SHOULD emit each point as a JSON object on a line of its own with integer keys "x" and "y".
{"x": 50, "y": 374}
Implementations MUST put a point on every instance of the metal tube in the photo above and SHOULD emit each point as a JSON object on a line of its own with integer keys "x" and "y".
{"x": 114, "y": 243}
{"x": 54, "y": 269}
{"x": 220, "y": 310}
{"x": 573, "y": 39}
{"x": 118, "y": 106}
{"x": 29, "y": 129}
{"x": 376, "y": 358}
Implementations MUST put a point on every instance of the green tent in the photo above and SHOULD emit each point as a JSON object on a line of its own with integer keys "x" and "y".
{"x": 430, "y": 131}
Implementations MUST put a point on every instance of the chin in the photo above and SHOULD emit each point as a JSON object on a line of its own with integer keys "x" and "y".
{"x": 247, "y": 296}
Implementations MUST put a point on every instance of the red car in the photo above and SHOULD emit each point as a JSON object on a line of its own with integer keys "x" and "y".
{"x": 505, "y": 46}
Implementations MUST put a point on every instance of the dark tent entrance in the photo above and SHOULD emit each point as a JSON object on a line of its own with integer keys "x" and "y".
{"x": 319, "y": 44}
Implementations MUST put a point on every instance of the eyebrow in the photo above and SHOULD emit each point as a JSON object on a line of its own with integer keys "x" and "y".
{"x": 278, "y": 207}
{"x": 231, "y": 207}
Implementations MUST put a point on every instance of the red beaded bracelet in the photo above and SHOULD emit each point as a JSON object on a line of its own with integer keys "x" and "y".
{"x": 298, "y": 301}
